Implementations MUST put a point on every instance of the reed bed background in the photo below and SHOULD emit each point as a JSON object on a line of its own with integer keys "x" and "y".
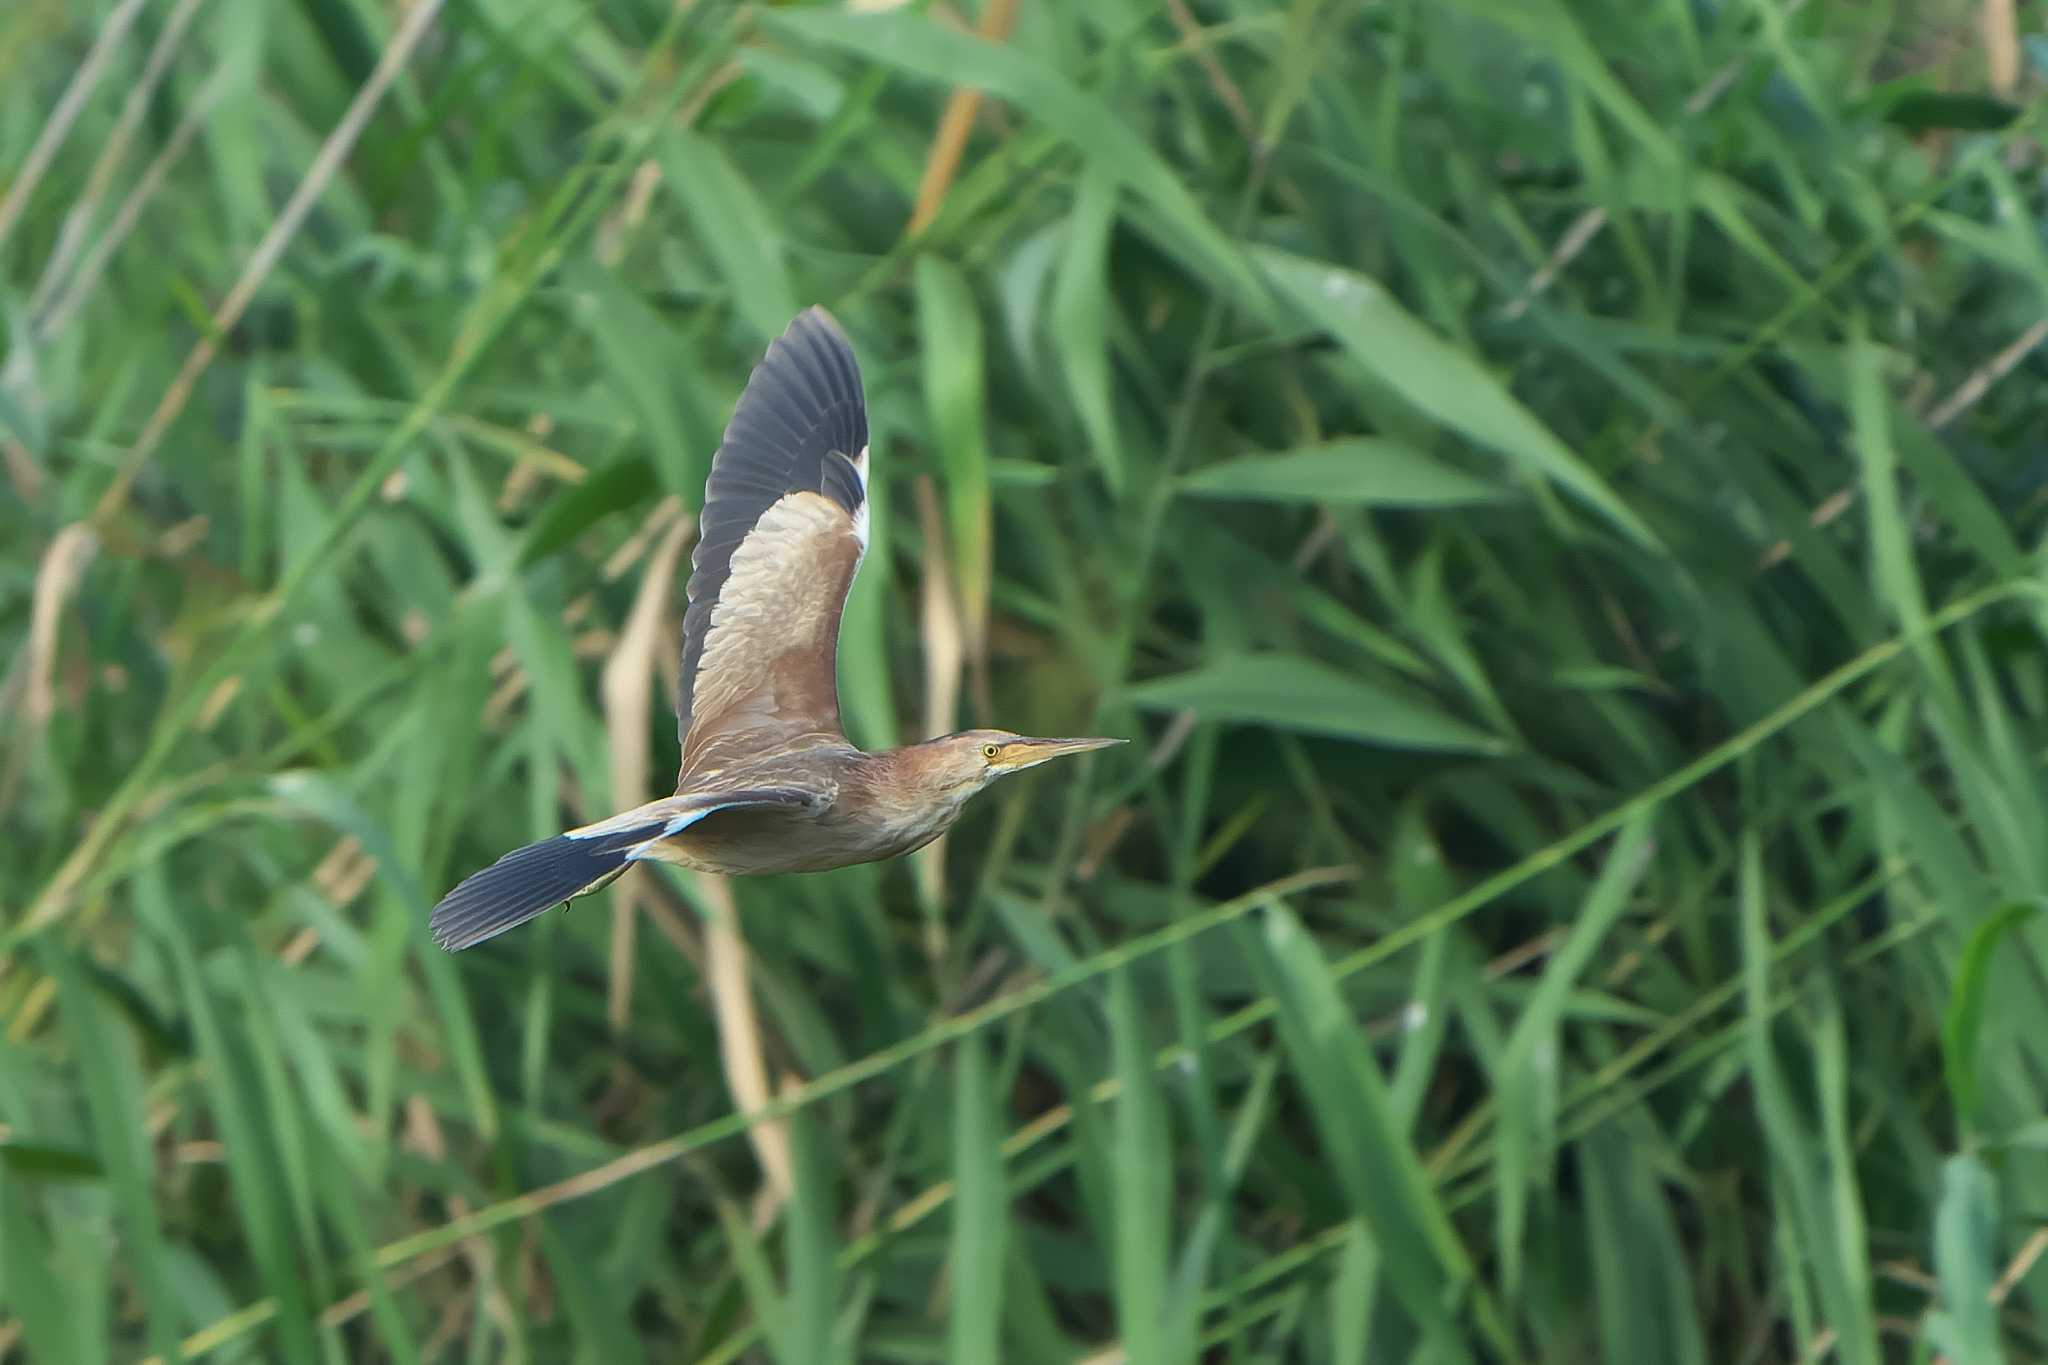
{"x": 1552, "y": 488}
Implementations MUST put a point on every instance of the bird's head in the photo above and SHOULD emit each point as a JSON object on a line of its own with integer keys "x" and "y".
{"x": 974, "y": 758}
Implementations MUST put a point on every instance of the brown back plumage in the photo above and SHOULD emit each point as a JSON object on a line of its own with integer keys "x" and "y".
{"x": 780, "y": 538}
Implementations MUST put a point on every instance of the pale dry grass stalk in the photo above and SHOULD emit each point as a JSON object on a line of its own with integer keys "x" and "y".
{"x": 945, "y": 654}
{"x": 69, "y": 106}
{"x": 54, "y": 314}
{"x": 1971, "y": 390}
{"x": 1998, "y": 21}
{"x": 1576, "y": 239}
{"x": 628, "y": 688}
{"x": 1966, "y": 395}
{"x": 2030, "y": 1252}
{"x": 949, "y": 142}
{"x": 271, "y": 248}
{"x": 57, "y": 579}
{"x": 620, "y": 224}
{"x": 1196, "y": 39}
{"x": 1587, "y": 225}
{"x": 78, "y": 220}
{"x": 63, "y": 567}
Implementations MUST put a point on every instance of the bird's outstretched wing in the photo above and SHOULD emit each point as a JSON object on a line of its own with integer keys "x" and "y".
{"x": 780, "y": 538}
{"x": 532, "y": 880}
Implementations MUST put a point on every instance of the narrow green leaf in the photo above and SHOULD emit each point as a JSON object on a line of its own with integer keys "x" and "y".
{"x": 750, "y": 1264}
{"x": 263, "y": 1200}
{"x": 1352, "y": 1291}
{"x": 639, "y": 350}
{"x": 743, "y": 238}
{"x": 1385, "y": 1180}
{"x": 1142, "y": 1162}
{"x": 1966, "y": 1264}
{"x": 111, "y": 1068}
{"x": 1297, "y": 694}
{"x": 1819, "y": 1228}
{"x": 1920, "y": 111}
{"x": 1891, "y": 540}
{"x": 627, "y": 482}
{"x": 1357, "y": 471}
{"x": 812, "y": 1243}
{"x": 45, "y": 1161}
{"x": 1080, "y": 316}
{"x": 1437, "y": 377}
{"x": 920, "y": 46}
{"x": 949, "y": 333}
{"x": 1962, "y": 1024}
{"x": 980, "y": 1225}
{"x": 31, "y": 1290}
{"x": 1637, "y": 1262}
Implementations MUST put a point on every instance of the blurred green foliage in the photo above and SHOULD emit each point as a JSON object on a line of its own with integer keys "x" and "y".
{"x": 1553, "y": 487}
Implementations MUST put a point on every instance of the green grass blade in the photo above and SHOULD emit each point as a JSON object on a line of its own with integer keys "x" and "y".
{"x": 1385, "y": 1181}
{"x": 737, "y": 229}
{"x": 920, "y": 46}
{"x": 1142, "y": 1167}
{"x": 1962, "y": 1023}
{"x": 1359, "y": 471}
{"x": 1820, "y": 1234}
{"x": 1080, "y": 317}
{"x": 980, "y": 1242}
{"x": 1439, "y": 379}
{"x": 812, "y": 1245}
{"x": 112, "y": 1077}
{"x": 1530, "y": 1067}
{"x": 1302, "y": 695}
{"x": 955, "y": 391}
{"x": 1637, "y": 1260}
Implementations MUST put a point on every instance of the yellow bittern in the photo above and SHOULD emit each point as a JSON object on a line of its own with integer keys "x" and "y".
{"x": 768, "y": 782}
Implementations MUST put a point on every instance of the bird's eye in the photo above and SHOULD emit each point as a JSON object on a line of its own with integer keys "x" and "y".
{"x": 989, "y": 751}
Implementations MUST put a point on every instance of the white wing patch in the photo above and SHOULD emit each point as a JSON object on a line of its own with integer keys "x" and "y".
{"x": 636, "y": 818}
{"x": 860, "y": 513}
{"x": 646, "y": 849}
{"x": 647, "y": 817}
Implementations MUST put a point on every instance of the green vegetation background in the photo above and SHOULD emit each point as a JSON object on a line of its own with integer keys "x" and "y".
{"x": 1552, "y": 488}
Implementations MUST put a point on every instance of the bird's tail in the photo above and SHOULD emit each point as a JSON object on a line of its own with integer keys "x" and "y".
{"x": 529, "y": 881}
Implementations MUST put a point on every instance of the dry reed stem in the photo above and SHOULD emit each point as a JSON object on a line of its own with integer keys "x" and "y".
{"x": 69, "y": 106}
{"x": 63, "y": 566}
{"x": 1999, "y": 23}
{"x": 957, "y": 120}
{"x": 270, "y": 249}
{"x": 945, "y": 655}
{"x": 1576, "y": 239}
{"x": 2022, "y": 1263}
{"x": 739, "y": 1041}
{"x": 79, "y": 219}
{"x": 1587, "y": 225}
{"x": 1196, "y": 38}
{"x": 628, "y": 687}
{"x": 1971, "y": 390}
{"x": 1967, "y": 394}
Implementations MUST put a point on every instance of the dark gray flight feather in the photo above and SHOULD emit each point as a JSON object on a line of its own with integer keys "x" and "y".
{"x": 799, "y": 425}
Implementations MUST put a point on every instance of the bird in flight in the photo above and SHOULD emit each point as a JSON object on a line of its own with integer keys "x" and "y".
{"x": 769, "y": 783}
